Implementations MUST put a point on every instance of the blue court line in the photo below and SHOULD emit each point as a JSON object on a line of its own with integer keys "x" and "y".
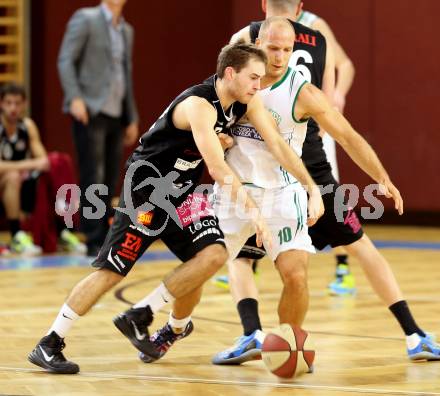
{"x": 407, "y": 245}
{"x": 23, "y": 263}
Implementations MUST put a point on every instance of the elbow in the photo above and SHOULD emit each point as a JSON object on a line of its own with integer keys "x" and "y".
{"x": 350, "y": 66}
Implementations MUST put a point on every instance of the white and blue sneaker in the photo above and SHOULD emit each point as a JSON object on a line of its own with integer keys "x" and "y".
{"x": 422, "y": 348}
{"x": 246, "y": 348}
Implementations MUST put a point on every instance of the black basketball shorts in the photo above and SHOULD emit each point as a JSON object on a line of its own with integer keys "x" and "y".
{"x": 127, "y": 240}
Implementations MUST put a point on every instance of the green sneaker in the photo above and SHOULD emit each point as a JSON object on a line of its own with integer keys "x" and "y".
{"x": 344, "y": 282}
{"x": 22, "y": 243}
{"x": 70, "y": 243}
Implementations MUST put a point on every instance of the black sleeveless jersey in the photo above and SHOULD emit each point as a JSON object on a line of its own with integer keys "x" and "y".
{"x": 171, "y": 149}
{"x": 16, "y": 147}
{"x": 309, "y": 55}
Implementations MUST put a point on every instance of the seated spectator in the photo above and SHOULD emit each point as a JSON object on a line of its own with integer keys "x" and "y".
{"x": 23, "y": 159}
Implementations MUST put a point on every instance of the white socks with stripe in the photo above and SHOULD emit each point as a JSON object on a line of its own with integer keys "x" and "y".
{"x": 157, "y": 299}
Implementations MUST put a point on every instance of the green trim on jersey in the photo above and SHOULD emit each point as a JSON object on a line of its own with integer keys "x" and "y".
{"x": 300, "y": 17}
{"x": 292, "y": 80}
{"x": 278, "y": 83}
{"x": 298, "y": 214}
{"x": 294, "y": 103}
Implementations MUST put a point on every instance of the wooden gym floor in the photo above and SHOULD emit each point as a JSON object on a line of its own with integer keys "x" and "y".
{"x": 360, "y": 349}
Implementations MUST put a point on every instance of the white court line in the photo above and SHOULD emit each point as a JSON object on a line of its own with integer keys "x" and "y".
{"x": 235, "y": 383}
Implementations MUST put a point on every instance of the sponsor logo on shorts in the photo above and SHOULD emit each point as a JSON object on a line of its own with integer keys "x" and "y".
{"x": 195, "y": 207}
{"x": 186, "y": 165}
{"x": 145, "y": 218}
{"x": 130, "y": 247}
{"x": 140, "y": 229}
{"x": 193, "y": 228}
{"x": 352, "y": 221}
{"x": 209, "y": 231}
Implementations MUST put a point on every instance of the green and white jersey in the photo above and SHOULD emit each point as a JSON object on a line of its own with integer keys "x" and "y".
{"x": 307, "y": 18}
{"x": 249, "y": 157}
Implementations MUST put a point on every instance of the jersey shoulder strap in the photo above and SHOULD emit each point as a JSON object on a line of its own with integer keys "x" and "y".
{"x": 307, "y": 18}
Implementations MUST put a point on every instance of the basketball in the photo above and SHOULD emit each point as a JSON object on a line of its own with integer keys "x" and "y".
{"x": 287, "y": 352}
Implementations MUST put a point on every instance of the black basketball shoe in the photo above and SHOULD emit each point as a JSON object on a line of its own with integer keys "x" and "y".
{"x": 163, "y": 339}
{"x": 134, "y": 323}
{"x": 47, "y": 354}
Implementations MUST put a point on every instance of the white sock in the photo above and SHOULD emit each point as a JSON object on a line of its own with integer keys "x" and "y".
{"x": 178, "y": 323}
{"x": 64, "y": 321}
{"x": 157, "y": 299}
{"x": 412, "y": 340}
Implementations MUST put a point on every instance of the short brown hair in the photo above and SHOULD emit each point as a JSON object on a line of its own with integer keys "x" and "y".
{"x": 237, "y": 56}
{"x": 12, "y": 88}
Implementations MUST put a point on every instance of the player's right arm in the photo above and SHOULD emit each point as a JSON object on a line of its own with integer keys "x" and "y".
{"x": 313, "y": 103}
{"x": 202, "y": 117}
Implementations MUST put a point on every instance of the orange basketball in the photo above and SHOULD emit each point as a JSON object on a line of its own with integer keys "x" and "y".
{"x": 287, "y": 351}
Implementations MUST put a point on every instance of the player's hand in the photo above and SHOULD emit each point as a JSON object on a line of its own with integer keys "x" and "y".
{"x": 225, "y": 140}
{"x": 78, "y": 110}
{"x": 315, "y": 207}
{"x": 390, "y": 191}
{"x": 131, "y": 134}
{"x": 262, "y": 232}
{"x": 42, "y": 164}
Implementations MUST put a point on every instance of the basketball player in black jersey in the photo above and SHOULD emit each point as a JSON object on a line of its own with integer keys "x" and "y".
{"x": 176, "y": 149}
{"x": 22, "y": 160}
{"x": 327, "y": 231}
{"x": 21, "y": 152}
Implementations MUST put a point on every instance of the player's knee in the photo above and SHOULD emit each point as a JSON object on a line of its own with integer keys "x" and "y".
{"x": 294, "y": 276}
{"x": 214, "y": 256}
{"x": 12, "y": 178}
{"x": 243, "y": 261}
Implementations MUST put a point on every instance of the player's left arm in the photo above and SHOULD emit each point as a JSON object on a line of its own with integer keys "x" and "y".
{"x": 344, "y": 66}
{"x": 312, "y": 102}
{"x": 36, "y": 146}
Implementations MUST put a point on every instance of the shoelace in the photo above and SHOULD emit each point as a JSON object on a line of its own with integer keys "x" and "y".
{"x": 237, "y": 342}
{"x": 165, "y": 336}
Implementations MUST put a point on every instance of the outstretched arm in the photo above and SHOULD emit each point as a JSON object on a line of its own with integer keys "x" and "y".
{"x": 313, "y": 103}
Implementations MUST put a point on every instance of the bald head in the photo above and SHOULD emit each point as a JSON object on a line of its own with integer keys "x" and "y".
{"x": 276, "y": 39}
{"x": 276, "y": 26}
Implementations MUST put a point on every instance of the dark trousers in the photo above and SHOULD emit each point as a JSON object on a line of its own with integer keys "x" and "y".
{"x": 99, "y": 147}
